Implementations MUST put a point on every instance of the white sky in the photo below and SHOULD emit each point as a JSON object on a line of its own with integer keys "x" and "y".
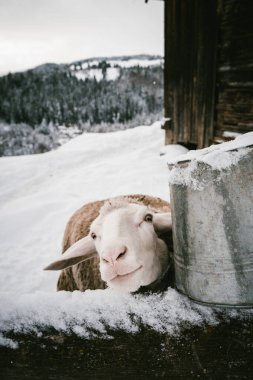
{"x": 38, "y": 31}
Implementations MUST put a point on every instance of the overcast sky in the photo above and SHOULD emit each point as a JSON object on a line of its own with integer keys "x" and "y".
{"x": 38, "y": 31}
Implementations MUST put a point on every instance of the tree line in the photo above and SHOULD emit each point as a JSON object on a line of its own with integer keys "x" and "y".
{"x": 57, "y": 96}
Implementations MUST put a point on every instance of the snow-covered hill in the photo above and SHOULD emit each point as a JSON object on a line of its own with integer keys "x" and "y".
{"x": 124, "y": 61}
{"x": 102, "y": 94}
{"x": 38, "y": 193}
{"x": 94, "y": 67}
{"x": 109, "y": 68}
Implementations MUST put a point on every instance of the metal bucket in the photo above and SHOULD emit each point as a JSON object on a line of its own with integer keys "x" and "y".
{"x": 212, "y": 214}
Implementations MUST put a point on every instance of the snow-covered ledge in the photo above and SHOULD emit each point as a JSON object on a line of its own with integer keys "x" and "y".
{"x": 212, "y": 200}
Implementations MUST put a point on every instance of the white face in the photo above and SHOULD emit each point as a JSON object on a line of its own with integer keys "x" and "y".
{"x": 131, "y": 254}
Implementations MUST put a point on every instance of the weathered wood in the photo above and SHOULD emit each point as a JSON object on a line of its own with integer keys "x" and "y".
{"x": 208, "y": 69}
{"x": 217, "y": 352}
{"x": 190, "y": 61}
{"x": 234, "y": 107}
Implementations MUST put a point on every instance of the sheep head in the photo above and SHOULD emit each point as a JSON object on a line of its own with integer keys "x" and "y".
{"x": 125, "y": 235}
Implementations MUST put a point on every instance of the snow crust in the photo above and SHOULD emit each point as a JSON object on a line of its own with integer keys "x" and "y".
{"x": 38, "y": 194}
{"x": 219, "y": 157}
{"x": 91, "y": 313}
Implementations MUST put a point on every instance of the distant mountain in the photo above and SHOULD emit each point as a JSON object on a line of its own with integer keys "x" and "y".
{"x": 142, "y": 60}
{"x": 111, "y": 92}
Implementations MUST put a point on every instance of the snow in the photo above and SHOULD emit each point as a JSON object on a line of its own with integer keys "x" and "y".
{"x": 90, "y": 69}
{"x": 112, "y": 73}
{"x": 81, "y": 312}
{"x": 19, "y": 139}
{"x": 173, "y": 150}
{"x": 230, "y": 134}
{"x": 38, "y": 193}
{"x": 89, "y": 74}
{"x": 136, "y": 62}
{"x": 213, "y": 154}
{"x": 219, "y": 157}
{"x": 67, "y": 133}
{"x": 124, "y": 63}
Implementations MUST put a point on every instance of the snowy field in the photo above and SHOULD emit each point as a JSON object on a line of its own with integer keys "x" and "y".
{"x": 120, "y": 62}
{"x": 38, "y": 193}
{"x": 90, "y": 69}
{"x": 112, "y": 73}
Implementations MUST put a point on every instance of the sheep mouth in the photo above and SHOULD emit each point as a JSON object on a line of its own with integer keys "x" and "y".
{"x": 122, "y": 277}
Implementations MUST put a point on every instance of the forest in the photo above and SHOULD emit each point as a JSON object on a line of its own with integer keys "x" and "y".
{"x": 56, "y": 95}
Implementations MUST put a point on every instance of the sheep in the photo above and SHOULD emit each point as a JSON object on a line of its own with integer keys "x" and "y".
{"x": 124, "y": 243}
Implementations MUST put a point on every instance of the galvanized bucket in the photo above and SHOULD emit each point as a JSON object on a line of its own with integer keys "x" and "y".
{"x": 212, "y": 214}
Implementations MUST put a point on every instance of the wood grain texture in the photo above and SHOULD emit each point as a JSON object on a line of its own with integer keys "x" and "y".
{"x": 223, "y": 351}
{"x": 208, "y": 74}
{"x": 190, "y": 62}
{"x": 234, "y": 108}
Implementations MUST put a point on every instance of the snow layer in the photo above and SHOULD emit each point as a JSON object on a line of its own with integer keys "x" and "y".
{"x": 91, "y": 69}
{"x": 136, "y": 62}
{"x": 172, "y": 151}
{"x": 91, "y": 313}
{"x": 89, "y": 74}
{"x": 112, "y": 73}
{"x": 219, "y": 157}
{"x": 214, "y": 155}
{"x": 124, "y": 63}
{"x": 38, "y": 194}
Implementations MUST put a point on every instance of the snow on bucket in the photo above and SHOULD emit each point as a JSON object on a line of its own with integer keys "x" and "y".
{"x": 212, "y": 213}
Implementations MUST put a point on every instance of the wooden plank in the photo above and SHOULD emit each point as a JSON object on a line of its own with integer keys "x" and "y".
{"x": 222, "y": 351}
{"x": 234, "y": 108}
{"x": 190, "y": 68}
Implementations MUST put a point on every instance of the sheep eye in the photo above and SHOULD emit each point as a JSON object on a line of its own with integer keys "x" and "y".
{"x": 93, "y": 235}
{"x": 148, "y": 218}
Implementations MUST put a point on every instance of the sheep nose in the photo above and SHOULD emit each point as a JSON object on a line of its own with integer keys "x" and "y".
{"x": 112, "y": 255}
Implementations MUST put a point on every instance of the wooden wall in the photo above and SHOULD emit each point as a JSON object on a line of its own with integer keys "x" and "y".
{"x": 234, "y": 108}
{"x": 208, "y": 69}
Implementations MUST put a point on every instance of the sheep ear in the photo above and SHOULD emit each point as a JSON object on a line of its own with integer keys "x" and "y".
{"x": 82, "y": 250}
{"x": 162, "y": 222}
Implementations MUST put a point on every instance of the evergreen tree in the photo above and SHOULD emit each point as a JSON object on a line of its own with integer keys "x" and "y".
{"x": 56, "y": 95}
